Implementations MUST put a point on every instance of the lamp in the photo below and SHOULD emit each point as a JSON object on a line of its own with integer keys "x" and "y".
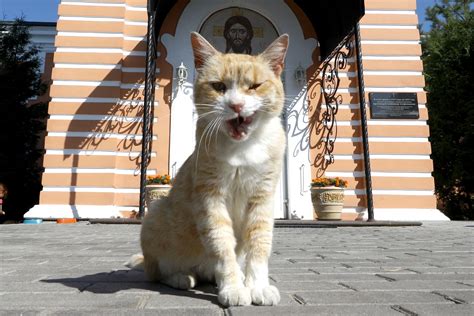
{"x": 300, "y": 75}
{"x": 182, "y": 74}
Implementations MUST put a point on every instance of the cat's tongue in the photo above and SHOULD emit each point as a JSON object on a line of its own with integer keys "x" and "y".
{"x": 238, "y": 127}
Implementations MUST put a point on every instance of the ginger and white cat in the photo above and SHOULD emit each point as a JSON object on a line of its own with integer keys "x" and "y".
{"x": 217, "y": 222}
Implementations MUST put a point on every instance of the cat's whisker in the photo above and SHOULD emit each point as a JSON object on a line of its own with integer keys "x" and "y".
{"x": 199, "y": 145}
{"x": 213, "y": 127}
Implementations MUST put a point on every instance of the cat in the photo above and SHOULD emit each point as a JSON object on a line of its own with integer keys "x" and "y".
{"x": 216, "y": 223}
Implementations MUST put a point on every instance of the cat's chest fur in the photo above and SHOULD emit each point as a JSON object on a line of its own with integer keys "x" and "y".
{"x": 241, "y": 183}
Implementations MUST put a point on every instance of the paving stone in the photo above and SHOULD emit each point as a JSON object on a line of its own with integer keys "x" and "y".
{"x": 408, "y": 285}
{"x": 387, "y": 298}
{"x": 334, "y": 310}
{"x": 78, "y": 269}
{"x": 430, "y": 277}
{"x": 440, "y": 309}
{"x": 66, "y": 300}
{"x": 466, "y": 296}
{"x": 313, "y": 277}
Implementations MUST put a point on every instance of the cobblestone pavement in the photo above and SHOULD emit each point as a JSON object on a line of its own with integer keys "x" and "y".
{"x": 77, "y": 269}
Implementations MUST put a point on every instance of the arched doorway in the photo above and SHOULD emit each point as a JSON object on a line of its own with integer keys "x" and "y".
{"x": 267, "y": 20}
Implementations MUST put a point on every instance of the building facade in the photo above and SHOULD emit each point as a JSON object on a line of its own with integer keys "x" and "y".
{"x": 93, "y": 144}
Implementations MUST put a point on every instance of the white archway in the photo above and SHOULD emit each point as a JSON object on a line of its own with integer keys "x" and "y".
{"x": 294, "y": 195}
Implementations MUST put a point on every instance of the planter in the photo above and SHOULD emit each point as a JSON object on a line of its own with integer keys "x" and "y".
{"x": 328, "y": 202}
{"x": 155, "y": 192}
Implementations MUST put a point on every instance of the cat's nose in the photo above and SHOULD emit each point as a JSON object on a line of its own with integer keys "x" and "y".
{"x": 236, "y": 107}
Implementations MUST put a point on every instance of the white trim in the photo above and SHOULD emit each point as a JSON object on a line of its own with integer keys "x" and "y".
{"x": 410, "y": 214}
{"x": 87, "y": 66}
{"x": 136, "y": 23}
{"x": 401, "y": 12}
{"x": 135, "y": 53}
{"x": 130, "y": 172}
{"x": 383, "y": 123}
{"x": 392, "y": 73}
{"x": 89, "y": 50}
{"x": 394, "y": 42}
{"x": 390, "y": 192}
{"x": 135, "y": 38}
{"x": 381, "y": 157}
{"x": 97, "y": 134}
{"x": 50, "y": 211}
{"x": 388, "y": 26}
{"x": 90, "y": 189}
{"x": 394, "y": 57}
{"x": 99, "y": 51}
{"x": 93, "y": 4}
{"x": 100, "y": 100}
{"x": 393, "y": 89}
{"x": 135, "y": 8}
{"x": 104, "y": 83}
{"x": 81, "y": 152}
{"x": 84, "y": 83}
{"x": 400, "y": 157}
{"x": 90, "y": 19}
{"x": 89, "y": 34}
{"x": 396, "y": 123}
{"x": 361, "y": 174}
{"x": 89, "y": 117}
{"x": 85, "y": 100}
{"x": 377, "y": 139}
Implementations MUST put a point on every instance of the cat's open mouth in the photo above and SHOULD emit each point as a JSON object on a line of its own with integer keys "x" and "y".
{"x": 238, "y": 127}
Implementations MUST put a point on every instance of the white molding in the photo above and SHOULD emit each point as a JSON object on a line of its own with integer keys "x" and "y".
{"x": 89, "y": 34}
{"x": 400, "y": 12}
{"x": 87, "y": 66}
{"x": 91, "y": 190}
{"x": 388, "y": 26}
{"x": 361, "y": 174}
{"x": 95, "y": 171}
{"x": 392, "y": 42}
{"x": 81, "y": 152}
{"x": 90, "y": 19}
{"x": 406, "y": 214}
{"x": 390, "y": 192}
{"x": 393, "y": 89}
{"x": 53, "y": 211}
{"x": 390, "y": 57}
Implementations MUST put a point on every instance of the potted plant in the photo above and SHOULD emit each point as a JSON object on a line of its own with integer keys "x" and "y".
{"x": 157, "y": 187}
{"x": 327, "y": 195}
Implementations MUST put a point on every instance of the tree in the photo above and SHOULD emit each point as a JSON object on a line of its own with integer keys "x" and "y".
{"x": 448, "y": 50}
{"x": 22, "y": 120}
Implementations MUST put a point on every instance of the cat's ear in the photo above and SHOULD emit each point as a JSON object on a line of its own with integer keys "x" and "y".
{"x": 276, "y": 52}
{"x": 202, "y": 49}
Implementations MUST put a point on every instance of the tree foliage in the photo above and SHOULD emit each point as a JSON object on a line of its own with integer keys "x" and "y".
{"x": 21, "y": 118}
{"x": 448, "y": 50}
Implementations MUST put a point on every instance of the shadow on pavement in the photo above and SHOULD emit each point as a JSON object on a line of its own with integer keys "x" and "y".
{"x": 132, "y": 282}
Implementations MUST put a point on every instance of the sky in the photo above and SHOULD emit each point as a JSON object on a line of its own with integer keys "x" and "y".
{"x": 46, "y": 10}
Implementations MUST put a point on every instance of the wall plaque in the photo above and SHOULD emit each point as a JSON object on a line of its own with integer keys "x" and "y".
{"x": 393, "y": 105}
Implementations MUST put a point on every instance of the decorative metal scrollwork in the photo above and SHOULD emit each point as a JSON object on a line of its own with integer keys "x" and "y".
{"x": 332, "y": 100}
{"x": 312, "y": 114}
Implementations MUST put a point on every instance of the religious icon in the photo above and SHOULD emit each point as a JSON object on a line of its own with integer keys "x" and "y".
{"x": 238, "y": 30}
{"x": 238, "y": 33}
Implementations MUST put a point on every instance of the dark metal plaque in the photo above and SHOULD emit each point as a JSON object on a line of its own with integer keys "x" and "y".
{"x": 393, "y": 105}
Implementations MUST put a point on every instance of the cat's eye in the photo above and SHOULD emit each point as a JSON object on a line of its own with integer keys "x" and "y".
{"x": 219, "y": 87}
{"x": 255, "y": 86}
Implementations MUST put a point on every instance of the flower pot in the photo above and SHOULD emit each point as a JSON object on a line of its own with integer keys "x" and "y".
{"x": 328, "y": 202}
{"x": 155, "y": 192}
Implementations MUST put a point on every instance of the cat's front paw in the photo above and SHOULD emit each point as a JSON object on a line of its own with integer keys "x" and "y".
{"x": 235, "y": 296}
{"x": 268, "y": 295}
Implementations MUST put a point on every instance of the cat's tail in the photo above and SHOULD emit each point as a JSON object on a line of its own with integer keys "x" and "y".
{"x": 136, "y": 262}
